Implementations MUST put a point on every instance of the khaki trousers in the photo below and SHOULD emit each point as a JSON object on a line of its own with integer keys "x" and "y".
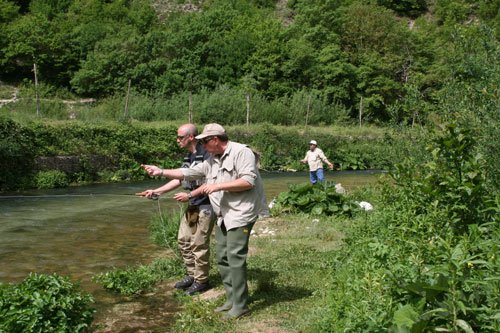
{"x": 194, "y": 241}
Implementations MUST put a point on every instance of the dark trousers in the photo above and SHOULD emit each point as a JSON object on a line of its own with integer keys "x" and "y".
{"x": 231, "y": 253}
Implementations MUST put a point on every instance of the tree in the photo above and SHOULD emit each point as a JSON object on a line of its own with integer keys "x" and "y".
{"x": 8, "y": 14}
{"x": 376, "y": 43}
{"x": 412, "y": 8}
{"x": 115, "y": 60}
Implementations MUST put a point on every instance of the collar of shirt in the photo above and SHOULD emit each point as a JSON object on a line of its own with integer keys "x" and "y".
{"x": 227, "y": 151}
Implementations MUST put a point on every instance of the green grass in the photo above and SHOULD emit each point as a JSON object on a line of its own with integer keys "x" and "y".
{"x": 287, "y": 275}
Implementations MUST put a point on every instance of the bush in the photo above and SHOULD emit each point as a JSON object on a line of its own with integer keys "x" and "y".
{"x": 319, "y": 199}
{"x": 16, "y": 154}
{"x": 426, "y": 259}
{"x": 121, "y": 148}
{"x": 51, "y": 179}
{"x": 44, "y": 303}
{"x": 136, "y": 280}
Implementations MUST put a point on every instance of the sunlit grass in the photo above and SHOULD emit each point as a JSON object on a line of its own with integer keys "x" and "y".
{"x": 288, "y": 260}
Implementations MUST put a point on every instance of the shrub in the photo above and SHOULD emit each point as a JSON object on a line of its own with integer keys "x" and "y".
{"x": 44, "y": 303}
{"x": 320, "y": 199}
{"x": 135, "y": 280}
{"x": 426, "y": 259}
{"x": 16, "y": 154}
{"x": 51, "y": 179}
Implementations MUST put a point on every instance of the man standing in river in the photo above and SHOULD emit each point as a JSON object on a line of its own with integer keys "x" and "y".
{"x": 315, "y": 158}
{"x": 235, "y": 188}
{"x": 197, "y": 222}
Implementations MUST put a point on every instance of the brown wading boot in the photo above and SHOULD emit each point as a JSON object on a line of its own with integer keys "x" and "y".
{"x": 184, "y": 283}
{"x": 197, "y": 287}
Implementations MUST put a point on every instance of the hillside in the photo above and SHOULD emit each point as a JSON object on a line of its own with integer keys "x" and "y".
{"x": 391, "y": 59}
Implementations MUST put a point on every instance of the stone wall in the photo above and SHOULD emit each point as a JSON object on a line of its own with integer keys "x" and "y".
{"x": 74, "y": 164}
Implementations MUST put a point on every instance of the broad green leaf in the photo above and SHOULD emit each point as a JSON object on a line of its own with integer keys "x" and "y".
{"x": 464, "y": 325}
{"x": 405, "y": 316}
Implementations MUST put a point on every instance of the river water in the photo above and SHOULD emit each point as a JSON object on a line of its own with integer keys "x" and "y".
{"x": 81, "y": 231}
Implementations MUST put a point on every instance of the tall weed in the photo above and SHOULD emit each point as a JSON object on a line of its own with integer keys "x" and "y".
{"x": 423, "y": 260}
{"x": 163, "y": 228}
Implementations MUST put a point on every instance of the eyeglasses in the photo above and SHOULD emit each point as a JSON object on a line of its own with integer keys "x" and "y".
{"x": 181, "y": 137}
{"x": 206, "y": 140}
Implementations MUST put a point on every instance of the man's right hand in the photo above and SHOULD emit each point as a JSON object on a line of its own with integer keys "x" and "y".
{"x": 181, "y": 197}
{"x": 150, "y": 194}
{"x": 152, "y": 170}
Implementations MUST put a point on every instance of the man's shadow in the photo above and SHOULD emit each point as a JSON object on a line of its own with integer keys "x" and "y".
{"x": 268, "y": 293}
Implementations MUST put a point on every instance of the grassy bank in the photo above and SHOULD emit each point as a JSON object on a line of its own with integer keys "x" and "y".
{"x": 289, "y": 266}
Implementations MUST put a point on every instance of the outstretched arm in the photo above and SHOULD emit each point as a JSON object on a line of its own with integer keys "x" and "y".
{"x": 153, "y": 170}
{"x": 171, "y": 185}
{"x": 330, "y": 164}
{"x": 304, "y": 160}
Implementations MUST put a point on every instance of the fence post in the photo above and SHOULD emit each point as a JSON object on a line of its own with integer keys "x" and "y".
{"x": 308, "y": 109}
{"x": 36, "y": 91}
{"x": 125, "y": 113}
{"x": 248, "y": 108}
{"x": 190, "y": 106}
{"x": 360, "y": 110}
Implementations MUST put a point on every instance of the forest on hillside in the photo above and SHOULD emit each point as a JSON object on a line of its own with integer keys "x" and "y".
{"x": 397, "y": 60}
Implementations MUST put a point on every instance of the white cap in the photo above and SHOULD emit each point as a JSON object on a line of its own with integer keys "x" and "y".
{"x": 313, "y": 142}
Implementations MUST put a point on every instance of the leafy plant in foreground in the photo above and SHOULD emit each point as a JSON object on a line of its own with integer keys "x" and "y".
{"x": 44, "y": 303}
{"x": 314, "y": 199}
{"x": 427, "y": 259}
{"x": 451, "y": 180}
{"x": 453, "y": 292}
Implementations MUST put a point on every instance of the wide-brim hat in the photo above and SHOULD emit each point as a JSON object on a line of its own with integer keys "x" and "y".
{"x": 211, "y": 130}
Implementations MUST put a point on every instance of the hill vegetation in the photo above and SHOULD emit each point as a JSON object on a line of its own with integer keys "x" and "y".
{"x": 392, "y": 59}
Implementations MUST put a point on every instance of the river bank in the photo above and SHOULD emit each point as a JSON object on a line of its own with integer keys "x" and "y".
{"x": 288, "y": 257}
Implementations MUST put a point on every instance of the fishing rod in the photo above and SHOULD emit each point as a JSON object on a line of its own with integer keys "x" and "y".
{"x": 155, "y": 196}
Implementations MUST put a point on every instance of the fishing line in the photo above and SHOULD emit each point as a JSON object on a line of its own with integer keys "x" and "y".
{"x": 68, "y": 195}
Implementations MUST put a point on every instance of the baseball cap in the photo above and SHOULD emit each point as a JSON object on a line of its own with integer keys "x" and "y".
{"x": 211, "y": 130}
{"x": 313, "y": 142}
